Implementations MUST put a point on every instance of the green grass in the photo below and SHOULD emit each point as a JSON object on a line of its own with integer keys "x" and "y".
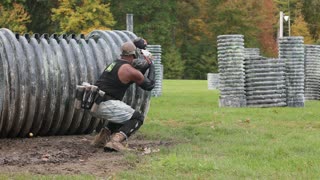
{"x": 223, "y": 143}
{"x": 43, "y": 177}
{"x": 227, "y": 143}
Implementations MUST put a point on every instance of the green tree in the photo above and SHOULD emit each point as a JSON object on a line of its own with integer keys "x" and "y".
{"x": 195, "y": 37}
{"x": 289, "y": 8}
{"x": 310, "y": 11}
{"x": 40, "y": 15}
{"x": 82, "y": 16}
{"x": 9, "y": 3}
{"x": 14, "y": 17}
{"x": 299, "y": 27}
{"x": 239, "y": 17}
{"x": 154, "y": 20}
{"x": 39, "y": 12}
{"x": 173, "y": 65}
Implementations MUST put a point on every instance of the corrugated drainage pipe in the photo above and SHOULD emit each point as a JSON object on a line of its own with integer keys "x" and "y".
{"x": 38, "y": 76}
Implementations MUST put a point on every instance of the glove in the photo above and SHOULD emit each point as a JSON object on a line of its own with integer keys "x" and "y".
{"x": 147, "y": 54}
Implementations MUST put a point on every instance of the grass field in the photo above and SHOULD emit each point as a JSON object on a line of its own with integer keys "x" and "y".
{"x": 227, "y": 143}
{"x": 223, "y": 143}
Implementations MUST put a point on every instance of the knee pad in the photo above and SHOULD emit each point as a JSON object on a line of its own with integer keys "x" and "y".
{"x": 138, "y": 116}
{"x": 114, "y": 127}
{"x": 132, "y": 125}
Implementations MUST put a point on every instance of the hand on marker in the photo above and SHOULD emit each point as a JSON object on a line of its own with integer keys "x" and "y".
{"x": 148, "y": 56}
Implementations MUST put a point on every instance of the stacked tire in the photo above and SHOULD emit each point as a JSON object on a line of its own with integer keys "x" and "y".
{"x": 265, "y": 82}
{"x": 156, "y": 52}
{"x": 291, "y": 50}
{"x": 312, "y": 72}
{"x": 251, "y": 53}
{"x": 231, "y": 70}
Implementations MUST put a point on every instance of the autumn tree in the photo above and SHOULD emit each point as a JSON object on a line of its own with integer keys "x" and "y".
{"x": 82, "y": 16}
{"x": 239, "y": 17}
{"x": 14, "y": 17}
{"x": 9, "y": 3}
{"x": 268, "y": 28}
{"x": 300, "y": 27}
{"x": 289, "y": 8}
{"x": 195, "y": 37}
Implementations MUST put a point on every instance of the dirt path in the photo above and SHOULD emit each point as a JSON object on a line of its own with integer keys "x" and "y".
{"x": 67, "y": 155}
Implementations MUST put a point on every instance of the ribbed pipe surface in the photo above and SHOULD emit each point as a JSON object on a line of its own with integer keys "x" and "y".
{"x": 231, "y": 70}
{"x": 39, "y": 74}
{"x": 155, "y": 50}
{"x": 265, "y": 82}
{"x": 291, "y": 50}
{"x": 312, "y": 72}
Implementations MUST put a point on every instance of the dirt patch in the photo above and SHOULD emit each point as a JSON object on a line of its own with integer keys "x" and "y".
{"x": 68, "y": 155}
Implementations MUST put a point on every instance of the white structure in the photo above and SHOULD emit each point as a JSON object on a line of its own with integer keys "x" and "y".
{"x": 213, "y": 81}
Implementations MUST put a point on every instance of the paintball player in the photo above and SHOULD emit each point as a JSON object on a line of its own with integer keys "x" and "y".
{"x": 123, "y": 120}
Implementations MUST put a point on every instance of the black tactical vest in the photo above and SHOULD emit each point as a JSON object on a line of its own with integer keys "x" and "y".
{"x": 110, "y": 83}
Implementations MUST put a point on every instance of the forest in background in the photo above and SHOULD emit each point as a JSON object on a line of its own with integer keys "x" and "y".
{"x": 186, "y": 29}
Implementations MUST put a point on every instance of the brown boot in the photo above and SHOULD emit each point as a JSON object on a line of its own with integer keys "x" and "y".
{"x": 115, "y": 144}
{"x": 101, "y": 138}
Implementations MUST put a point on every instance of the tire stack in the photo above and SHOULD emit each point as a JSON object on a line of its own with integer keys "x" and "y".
{"x": 213, "y": 81}
{"x": 251, "y": 53}
{"x": 39, "y": 74}
{"x": 265, "y": 82}
{"x": 231, "y": 70}
{"x": 156, "y": 52}
{"x": 312, "y": 72}
{"x": 291, "y": 50}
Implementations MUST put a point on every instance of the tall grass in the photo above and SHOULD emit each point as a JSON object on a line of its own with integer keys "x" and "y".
{"x": 227, "y": 143}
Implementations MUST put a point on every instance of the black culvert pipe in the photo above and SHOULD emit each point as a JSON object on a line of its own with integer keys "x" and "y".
{"x": 38, "y": 78}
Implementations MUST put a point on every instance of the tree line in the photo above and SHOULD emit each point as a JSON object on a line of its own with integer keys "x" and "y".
{"x": 186, "y": 30}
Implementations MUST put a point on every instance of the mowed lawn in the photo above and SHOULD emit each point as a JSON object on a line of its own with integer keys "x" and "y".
{"x": 208, "y": 142}
{"x": 226, "y": 143}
